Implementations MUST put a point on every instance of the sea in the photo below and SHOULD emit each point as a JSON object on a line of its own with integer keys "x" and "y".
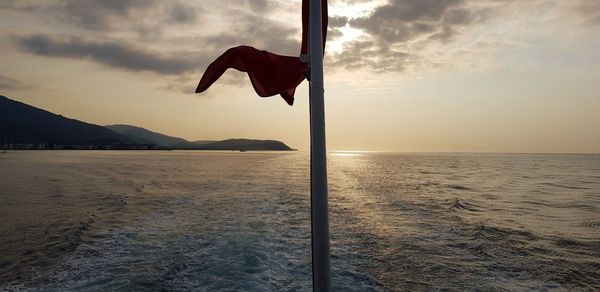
{"x": 240, "y": 221}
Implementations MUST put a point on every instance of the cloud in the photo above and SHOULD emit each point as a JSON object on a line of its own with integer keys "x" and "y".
{"x": 144, "y": 35}
{"x": 170, "y": 56}
{"x": 16, "y": 5}
{"x": 587, "y": 11}
{"x": 181, "y": 13}
{"x": 7, "y": 83}
{"x": 261, "y": 6}
{"x": 112, "y": 53}
{"x": 337, "y": 21}
{"x": 107, "y": 15}
{"x": 99, "y": 14}
{"x": 255, "y": 30}
{"x": 366, "y": 54}
{"x": 396, "y": 34}
{"x": 334, "y": 33}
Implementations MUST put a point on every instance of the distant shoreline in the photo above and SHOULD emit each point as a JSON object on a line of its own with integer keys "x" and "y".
{"x": 150, "y": 149}
{"x": 329, "y": 152}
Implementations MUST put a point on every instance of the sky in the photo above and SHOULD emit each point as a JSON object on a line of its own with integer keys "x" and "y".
{"x": 400, "y": 75}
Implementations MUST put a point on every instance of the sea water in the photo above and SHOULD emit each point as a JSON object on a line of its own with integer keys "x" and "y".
{"x": 206, "y": 221}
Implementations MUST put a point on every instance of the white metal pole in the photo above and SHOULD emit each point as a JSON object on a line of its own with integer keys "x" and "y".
{"x": 318, "y": 161}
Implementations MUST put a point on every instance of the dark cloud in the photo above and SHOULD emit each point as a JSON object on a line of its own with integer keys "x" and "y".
{"x": 334, "y": 33}
{"x": 251, "y": 27}
{"x": 588, "y": 11}
{"x": 260, "y": 6}
{"x": 257, "y": 31}
{"x": 115, "y": 14}
{"x": 114, "y": 54}
{"x": 136, "y": 54}
{"x": 101, "y": 15}
{"x": 368, "y": 55}
{"x": 396, "y": 34}
{"x": 180, "y": 13}
{"x": 337, "y": 21}
{"x": 403, "y": 20}
{"x": 393, "y": 29}
{"x": 7, "y": 83}
{"x": 16, "y": 5}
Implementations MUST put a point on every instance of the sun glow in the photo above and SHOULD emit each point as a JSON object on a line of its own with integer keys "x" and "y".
{"x": 348, "y": 34}
{"x": 354, "y": 10}
{"x": 350, "y": 11}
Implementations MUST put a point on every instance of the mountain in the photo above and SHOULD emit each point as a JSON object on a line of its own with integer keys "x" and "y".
{"x": 22, "y": 123}
{"x": 244, "y": 144}
{"x": 200, "y": 142}
{"x": 144, "y": 136}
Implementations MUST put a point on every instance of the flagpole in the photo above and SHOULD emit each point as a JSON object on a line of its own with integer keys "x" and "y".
{"x": 318, "y": 161}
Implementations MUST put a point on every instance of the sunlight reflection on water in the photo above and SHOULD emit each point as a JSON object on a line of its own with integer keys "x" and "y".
{"x": 346, "y": 154}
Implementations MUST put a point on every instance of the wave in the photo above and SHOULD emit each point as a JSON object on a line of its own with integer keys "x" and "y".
{"x": 57, "y": 241}
{"x": 459, "y": 187}
{"x": 564, "y": 186}
{"x": 458, "y": 204}
{"x": 494, "y": 232}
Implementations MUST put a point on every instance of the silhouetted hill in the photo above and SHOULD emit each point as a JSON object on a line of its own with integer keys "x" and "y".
{"x": 200, "y": 142}
{"x": 244, "y": 144}
{"x": 192, "y": 145}
{"x": 22, "y": 123}
{"x": 144, "y": 136}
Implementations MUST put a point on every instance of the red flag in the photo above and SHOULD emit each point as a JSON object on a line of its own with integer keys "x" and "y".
{"x": 269, "y": 73}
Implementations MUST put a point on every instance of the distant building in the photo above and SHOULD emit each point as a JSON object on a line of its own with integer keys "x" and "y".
{"x": 53, "y": 146}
